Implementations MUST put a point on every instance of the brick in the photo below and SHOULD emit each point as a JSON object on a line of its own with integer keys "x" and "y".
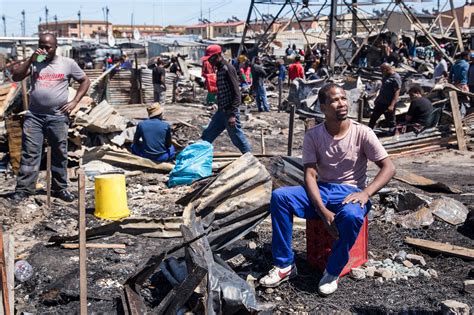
{"x": 407, "y": 264}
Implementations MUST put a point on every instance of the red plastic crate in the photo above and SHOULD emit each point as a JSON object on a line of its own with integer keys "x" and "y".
{"x": 319, "y": 243}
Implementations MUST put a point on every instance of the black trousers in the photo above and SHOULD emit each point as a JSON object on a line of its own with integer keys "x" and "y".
{"x": 35, "y": 128}
{"x": 379, "y": 110}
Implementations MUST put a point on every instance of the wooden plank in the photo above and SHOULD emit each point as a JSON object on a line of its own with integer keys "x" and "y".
{"x": 48, "y": 177}
{"x": 448, "y": 249}
{"x": 82, "y": 242}
{"x": 14, "y": 133}
{"x": 453, "y": 97}
{"x": 9, "y": 252}
{"x": 95, "y": 245}
{"x": 5, "y": 298}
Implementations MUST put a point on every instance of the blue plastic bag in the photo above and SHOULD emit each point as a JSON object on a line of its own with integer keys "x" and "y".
{"x": 193, "y": 163}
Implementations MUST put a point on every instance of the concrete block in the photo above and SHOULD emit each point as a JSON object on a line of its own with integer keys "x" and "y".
{"x": 370, "y": 271}
{"x": 358, "y": 273}
{"x": 468, "y": 286}
{"x": 416, "y": 259}
{"x": 452, "y": 307}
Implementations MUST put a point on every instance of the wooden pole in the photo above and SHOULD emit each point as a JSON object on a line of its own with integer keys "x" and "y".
{"x": 360, "y": 111}
{"x": 453, "y": 97}
{"x": 280, "y": 83}
{"x": 291, "y": 129}
{"x": 95, "y": 245}
{"x": 262, "y": 141}
{"x": 24, "y": 89}
{"x": 456, "y": 26}
{"x": 82, "y": 242}
{"x": 48, "y": 176}
{"x": 6, "y": 301}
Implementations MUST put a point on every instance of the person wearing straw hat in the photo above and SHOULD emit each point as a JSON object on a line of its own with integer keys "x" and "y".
{"x": 153, "y": 137}
{"x": 227, "y": 116}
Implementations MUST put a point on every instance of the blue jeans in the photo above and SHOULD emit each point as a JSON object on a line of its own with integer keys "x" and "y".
{"x": 219, "y": 123}
{"x": 289, "y": 201}
{"x": 35, "y": 128}
{"x": 167, "y": 156}
{"x": 261, "y": 99}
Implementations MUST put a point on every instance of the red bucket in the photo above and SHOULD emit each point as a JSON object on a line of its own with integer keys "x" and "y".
{"x": 319, "y": 243}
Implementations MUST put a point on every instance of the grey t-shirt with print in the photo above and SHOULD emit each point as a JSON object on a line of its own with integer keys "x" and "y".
{"x": 49, "y": 85}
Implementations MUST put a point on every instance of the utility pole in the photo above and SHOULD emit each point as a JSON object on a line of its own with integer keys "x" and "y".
{"x": 4, "y": 26}
{"x": 354, "y": 24}
{"x": 46, "y": 15}
{"x": 56, "y": 24}
{"x": 23, "y": 29}
{"x": 107, "y": 20}
{"x": 80, "y": 23}
{"x": 332, "y": 35}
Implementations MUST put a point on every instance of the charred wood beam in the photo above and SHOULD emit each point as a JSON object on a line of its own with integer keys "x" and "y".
{"x": 197, "y": 270}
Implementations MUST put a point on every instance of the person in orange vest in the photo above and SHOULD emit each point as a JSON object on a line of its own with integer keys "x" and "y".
{"x": 246, "y": 74}
{"x": 296, "y": 70}
{"x": 209, "y": 74}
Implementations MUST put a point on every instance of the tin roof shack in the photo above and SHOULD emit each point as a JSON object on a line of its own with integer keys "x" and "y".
{"x": 133, "y": 47}
{"x": 177, "y": 45}
{"x": 96, "y": 51}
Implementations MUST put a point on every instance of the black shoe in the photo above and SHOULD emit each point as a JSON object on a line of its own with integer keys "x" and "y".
{"x": 19, "y": 196}
{"x": 64, "y": 195}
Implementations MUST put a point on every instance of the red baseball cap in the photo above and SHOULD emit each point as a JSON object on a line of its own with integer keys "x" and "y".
{"x": 211, "y": 50}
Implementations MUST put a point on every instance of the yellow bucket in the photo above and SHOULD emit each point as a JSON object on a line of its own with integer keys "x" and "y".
{"x": 111, "y": 197}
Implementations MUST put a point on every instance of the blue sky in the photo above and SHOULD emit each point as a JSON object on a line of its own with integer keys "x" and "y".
{"x": 144, "y": 11}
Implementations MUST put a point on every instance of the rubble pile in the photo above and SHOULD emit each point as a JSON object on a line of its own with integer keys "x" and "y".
{"x": 402, "y": 267}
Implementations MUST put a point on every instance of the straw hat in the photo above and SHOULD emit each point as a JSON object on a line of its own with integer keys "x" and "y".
{"x": 154, "y": 110}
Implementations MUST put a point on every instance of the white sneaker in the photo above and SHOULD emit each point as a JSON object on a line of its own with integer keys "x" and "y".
{"x": 278, "y": 275}
{"x": 327, "y": 284}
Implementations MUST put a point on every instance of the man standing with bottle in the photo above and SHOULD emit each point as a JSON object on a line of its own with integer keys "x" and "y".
{"x": 47, "y": 116}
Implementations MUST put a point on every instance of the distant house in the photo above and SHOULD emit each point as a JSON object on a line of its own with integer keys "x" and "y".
{"x": 126, "y": 30}
{"x": 465, "y": 15}
{"x": 204, "y": 30}
{"x": 175, "y": 29}
{"x": 399, "y": 22}
{"x": 217, "y": 29}
{"x": 73, "y": 28}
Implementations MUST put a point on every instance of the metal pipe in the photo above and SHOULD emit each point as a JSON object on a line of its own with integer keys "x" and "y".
{"x": 291, "y": 129}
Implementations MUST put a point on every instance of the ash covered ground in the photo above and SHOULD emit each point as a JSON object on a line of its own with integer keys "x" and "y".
{"x": 54, "y": 287}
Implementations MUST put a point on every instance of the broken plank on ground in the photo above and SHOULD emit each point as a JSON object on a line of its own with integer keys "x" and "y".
{"x": 448, "y": 249}
{"x": 424, "y": 183}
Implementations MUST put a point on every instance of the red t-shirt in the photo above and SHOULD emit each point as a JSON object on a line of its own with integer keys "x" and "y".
{"x": 295, "y": 70}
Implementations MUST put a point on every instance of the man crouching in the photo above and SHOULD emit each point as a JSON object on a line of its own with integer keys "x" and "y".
{"x": 335, "y": 155}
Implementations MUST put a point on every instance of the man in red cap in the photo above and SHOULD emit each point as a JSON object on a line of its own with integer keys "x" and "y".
{"x": 227, "y": 116}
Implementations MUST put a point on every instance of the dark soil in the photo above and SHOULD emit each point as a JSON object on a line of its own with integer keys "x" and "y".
{"x": 53, "y": 289}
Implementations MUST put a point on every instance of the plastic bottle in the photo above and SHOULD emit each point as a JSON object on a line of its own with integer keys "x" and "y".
{"x": 23, "y": 270}
{"x": 41, "y": 58}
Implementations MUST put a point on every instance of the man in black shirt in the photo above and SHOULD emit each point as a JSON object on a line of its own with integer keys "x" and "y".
{"x": 227, "y": 116}
{"x": 420, "y": 107}
{"x": 159, "y": 87}
{"x": 388, "y": 96}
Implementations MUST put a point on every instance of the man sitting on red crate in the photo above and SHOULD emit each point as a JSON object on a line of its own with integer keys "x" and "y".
{"x": 335, "y": 155}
